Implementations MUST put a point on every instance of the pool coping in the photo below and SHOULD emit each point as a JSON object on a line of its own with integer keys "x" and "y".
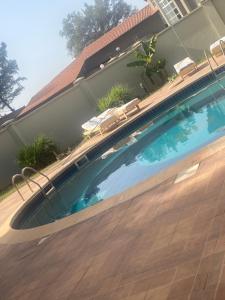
{"x": 11, "y": 235}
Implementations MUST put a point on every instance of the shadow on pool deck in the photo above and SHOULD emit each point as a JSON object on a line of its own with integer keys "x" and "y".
{"x": 167, "y": 244}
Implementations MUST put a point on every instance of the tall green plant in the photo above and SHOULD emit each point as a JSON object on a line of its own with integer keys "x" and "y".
{"x": 145, "y": 56}
{"x": 117, "y": 96}
{"x": 158, "y": 67}
{"x": 37, "y": 155}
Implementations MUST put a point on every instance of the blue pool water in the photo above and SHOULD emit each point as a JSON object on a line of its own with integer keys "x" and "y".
{"x": 180, "y": 130}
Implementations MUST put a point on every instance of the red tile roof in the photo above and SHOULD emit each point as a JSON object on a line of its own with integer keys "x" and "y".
{"x": 66, "y": 78}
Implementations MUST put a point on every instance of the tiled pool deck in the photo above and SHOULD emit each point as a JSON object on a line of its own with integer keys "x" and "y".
{"x": 167, "y": 243}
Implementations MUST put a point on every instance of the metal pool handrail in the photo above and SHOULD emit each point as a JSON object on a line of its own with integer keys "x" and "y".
{"x": 35, "y": 182}
{"x": 213, "y": 71}
{"x": 32, "y": 180}
{"x": 207, "y": 57}
{"x": 16, "y": 187}
{"x": 36, "y": 172}
{"x": 27, "y": 179}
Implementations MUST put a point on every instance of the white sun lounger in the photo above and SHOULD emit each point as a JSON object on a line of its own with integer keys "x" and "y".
{"x": 215, "y": 48}
{"x": 108, "y": 123}
{"x": 125, "y": 109}
{"x": 185, "y": 66}
{"x": 101, "y": 123}
{"x": 91, "y": 124}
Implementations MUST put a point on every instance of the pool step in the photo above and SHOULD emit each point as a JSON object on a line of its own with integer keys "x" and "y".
{"x": 82, "y": 162}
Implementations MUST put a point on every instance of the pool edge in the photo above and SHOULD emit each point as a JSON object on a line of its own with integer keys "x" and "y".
{"x": 8, "y": 235}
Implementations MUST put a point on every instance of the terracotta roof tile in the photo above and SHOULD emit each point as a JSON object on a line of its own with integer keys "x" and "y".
{"x": 70, "y": 73}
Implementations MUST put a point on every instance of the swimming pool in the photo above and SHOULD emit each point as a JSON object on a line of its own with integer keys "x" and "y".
{"x": 191, "y": 120}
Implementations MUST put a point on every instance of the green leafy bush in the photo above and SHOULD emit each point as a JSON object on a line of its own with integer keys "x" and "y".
{"x": 37, "y": 155}
{"x": 117, "y": 96}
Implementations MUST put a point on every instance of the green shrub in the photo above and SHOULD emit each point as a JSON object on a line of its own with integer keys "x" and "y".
{"x": 37, "y": 155}
{"x": 26, "y": 156}
{"x": 117, "y": 96}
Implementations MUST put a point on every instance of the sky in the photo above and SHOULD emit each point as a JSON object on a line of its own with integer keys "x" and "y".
{"x": 31, "y": 31}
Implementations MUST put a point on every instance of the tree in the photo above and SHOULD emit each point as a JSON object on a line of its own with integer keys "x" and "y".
{"x": 10, "y": 82}
{"x": 82, "y": 28}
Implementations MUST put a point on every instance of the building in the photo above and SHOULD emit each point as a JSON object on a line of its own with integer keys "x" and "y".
{"x": 174, "y": 10}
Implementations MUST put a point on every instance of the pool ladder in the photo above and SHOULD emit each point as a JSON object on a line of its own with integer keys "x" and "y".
{"x": 209, "y": 62}
{"x": 222, "y": 47}
{"x": 27, "y": 180}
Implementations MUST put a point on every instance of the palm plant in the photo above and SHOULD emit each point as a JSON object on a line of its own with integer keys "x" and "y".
{"x": 145, "y": 56}
{"x": 159, "y": 68}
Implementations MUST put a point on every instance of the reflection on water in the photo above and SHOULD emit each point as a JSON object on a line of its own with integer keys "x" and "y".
{"x": 181, "y": 131}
